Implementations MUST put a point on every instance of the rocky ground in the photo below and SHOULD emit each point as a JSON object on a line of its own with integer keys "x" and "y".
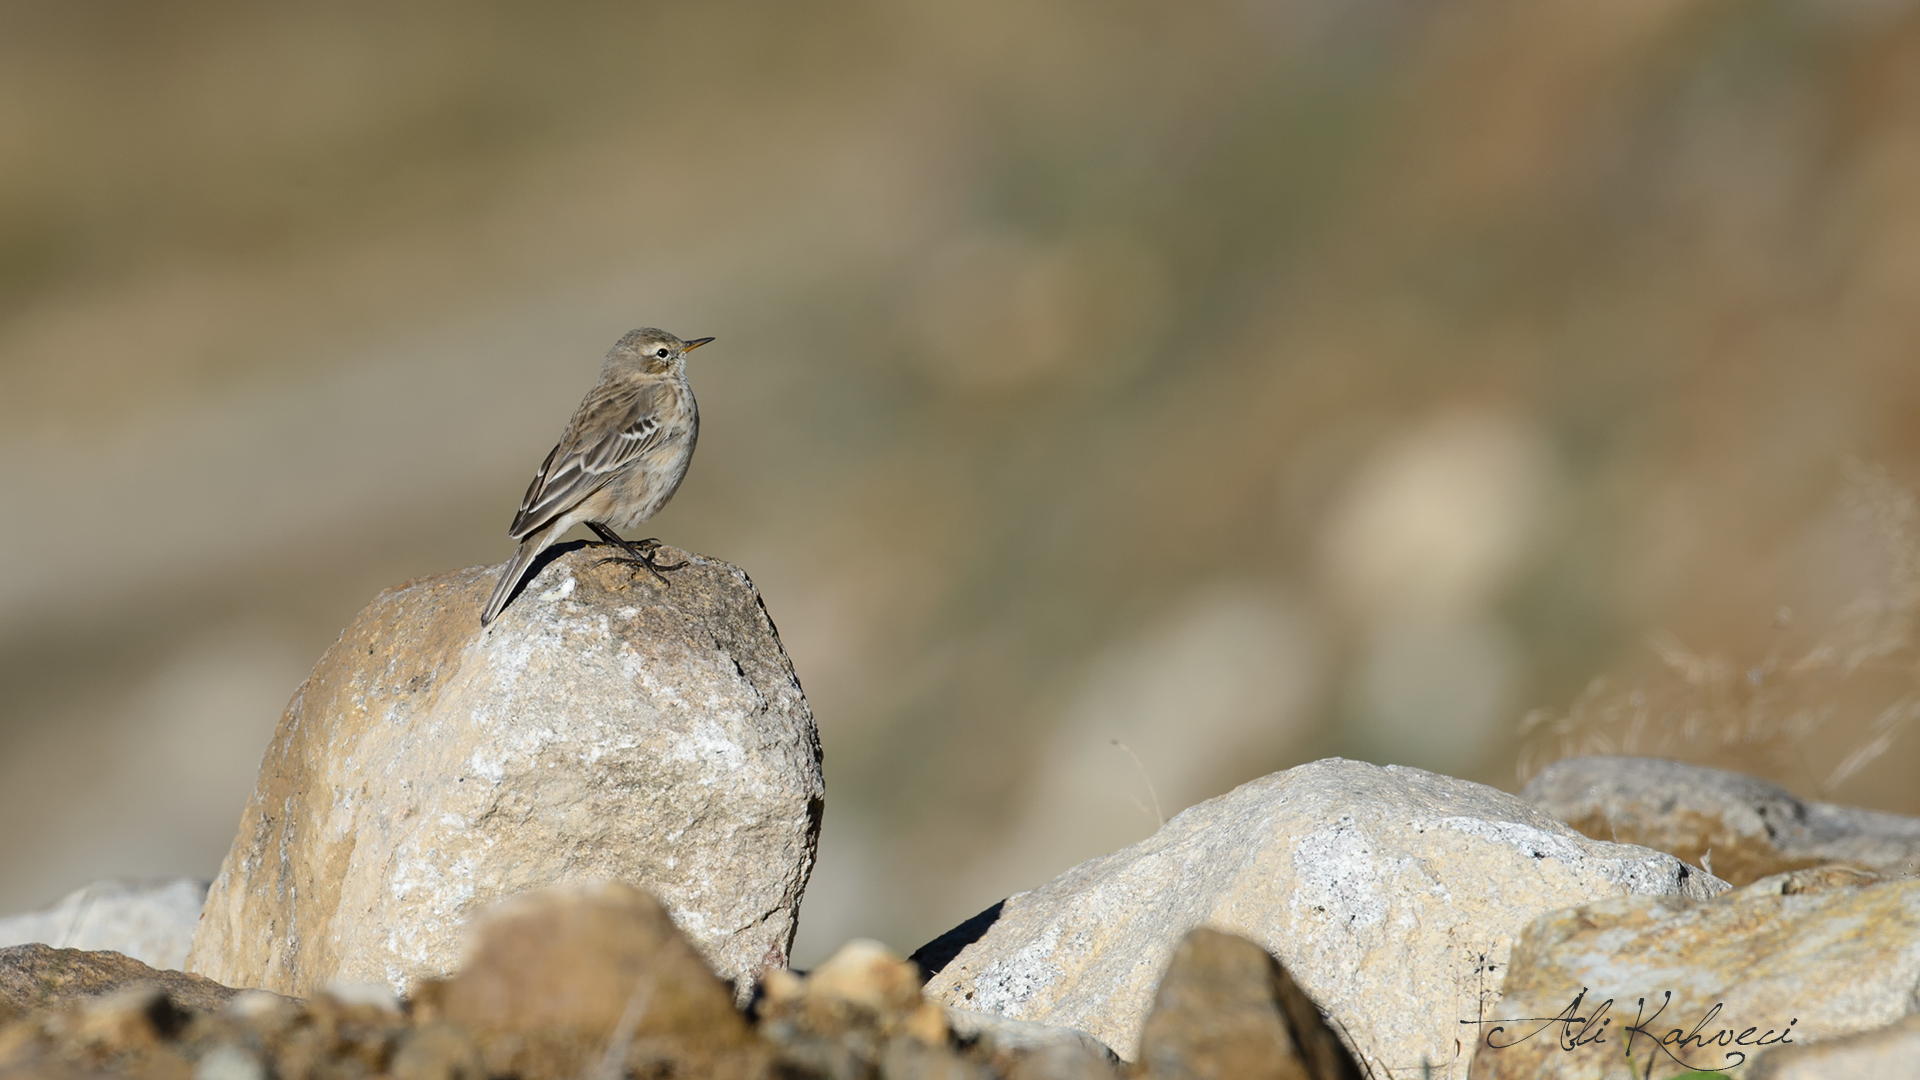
{"x": 573, "y": 844}
{"x": 596, "y": 981}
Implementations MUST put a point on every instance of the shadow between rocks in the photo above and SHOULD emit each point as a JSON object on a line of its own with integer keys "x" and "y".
{"x": 939, "y": 952}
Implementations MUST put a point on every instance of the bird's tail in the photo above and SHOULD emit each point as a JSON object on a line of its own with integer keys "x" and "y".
{"x": 523, "y": 557}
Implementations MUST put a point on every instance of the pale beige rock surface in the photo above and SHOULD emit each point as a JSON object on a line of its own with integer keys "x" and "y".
{"x": 605, "y": 727}
{"x": 1888, "y": 1053}
{"x": 1793, "y": 959}
{"x": 1744, "y": 826}
{"x": 1391, "y": 895}
{"x": 150, "y": 921}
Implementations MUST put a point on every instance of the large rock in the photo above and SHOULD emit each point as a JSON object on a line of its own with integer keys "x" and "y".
{"x": 1790, "y": 960}
{"x": 151, "y": 921}
{"x": 1744, "y": 827}
{"x": 1392, "y": 896}
{"x": 605, "y": 727}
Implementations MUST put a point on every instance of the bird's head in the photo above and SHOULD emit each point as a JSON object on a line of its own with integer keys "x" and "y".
{"x": 652, "y": 351}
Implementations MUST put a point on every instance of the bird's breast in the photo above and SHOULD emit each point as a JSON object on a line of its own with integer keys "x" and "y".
{"x": 646, "y": 485}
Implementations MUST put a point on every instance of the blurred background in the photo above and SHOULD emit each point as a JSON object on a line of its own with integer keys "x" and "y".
{"x": 1114, "y": 401}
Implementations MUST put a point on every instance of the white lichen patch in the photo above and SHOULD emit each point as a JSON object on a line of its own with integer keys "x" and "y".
{"x": 340, "y": 815}
{"x": 1006, "y": 986}
{"x": 1339, "y": 876}
{"x": 1532, "y": 842}
{"x": 491, "y": 767}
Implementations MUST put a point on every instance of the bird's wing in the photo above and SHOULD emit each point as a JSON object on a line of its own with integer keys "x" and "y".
{"x": 614, "y": 425}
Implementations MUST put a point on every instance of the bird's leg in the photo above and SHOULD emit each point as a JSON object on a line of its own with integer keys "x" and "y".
{"x": 636, "y": 552}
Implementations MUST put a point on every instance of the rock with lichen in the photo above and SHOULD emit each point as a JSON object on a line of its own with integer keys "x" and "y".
{"x": 607, "y": 726}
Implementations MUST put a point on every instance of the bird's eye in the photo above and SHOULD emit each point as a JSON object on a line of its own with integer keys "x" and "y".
{"x": 661, "y": 352}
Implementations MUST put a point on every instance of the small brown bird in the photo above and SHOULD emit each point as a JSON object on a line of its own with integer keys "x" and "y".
{"x": 621, "y": 458}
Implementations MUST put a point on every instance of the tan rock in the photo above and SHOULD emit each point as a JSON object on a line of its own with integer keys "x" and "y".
{"x": 1392, "y": 895}
{"x": 853, "y": 1013}
{"x": 1226, "y": 1010}
{"x": 39, "y": 976}
{"x": 556, "y": 977}
{"x": 325, "y": 1038}
{"x": 124, "y": 1033}
{"x": 1888, "y": 1053}
{"x": 1021, "y": 1048}
{"x": 139, "y": 1032}
{"x": 606, "y": 727}
{"x": 1793, "y": 959}
{"x": 911, "y": 1059}
{"x": 1745, "y": 827}
{"x": 437, "y": 1051}
{"x": 228, "y": 1062}
{"x": 138, "y": 1017}
{"x": 863, "y": 984}
{"x": 1053, "y": 1061}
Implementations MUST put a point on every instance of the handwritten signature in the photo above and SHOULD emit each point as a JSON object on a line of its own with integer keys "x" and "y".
{"x": 1576, "y": 1031}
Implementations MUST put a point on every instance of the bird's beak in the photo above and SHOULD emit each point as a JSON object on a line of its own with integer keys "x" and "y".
{"x": 696, "y": 343}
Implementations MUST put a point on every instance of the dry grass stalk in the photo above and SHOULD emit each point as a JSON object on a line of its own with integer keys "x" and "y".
{"x": 1694, "y": 702}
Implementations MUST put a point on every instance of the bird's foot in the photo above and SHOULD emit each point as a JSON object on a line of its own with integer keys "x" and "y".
{"x": 634, "y": 552}
{"x": 641, "y": 554}
{"x": 652, "y": 567}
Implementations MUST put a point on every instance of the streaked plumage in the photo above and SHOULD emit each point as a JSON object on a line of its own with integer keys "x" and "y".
{"x": 620, "y": 459}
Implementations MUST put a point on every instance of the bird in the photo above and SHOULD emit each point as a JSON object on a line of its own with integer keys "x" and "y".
{"x": 620, "y": 459}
